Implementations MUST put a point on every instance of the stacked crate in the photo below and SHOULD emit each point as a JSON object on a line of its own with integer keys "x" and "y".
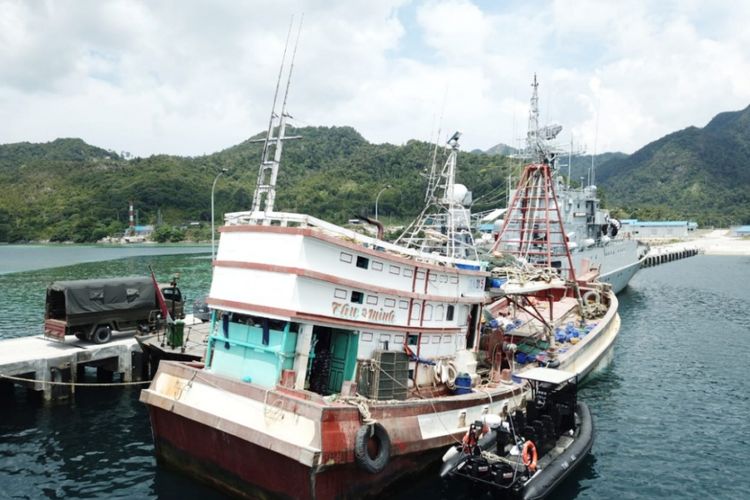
{"x": 386, "y": 377}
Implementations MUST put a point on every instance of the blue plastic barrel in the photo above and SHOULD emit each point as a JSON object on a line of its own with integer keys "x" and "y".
{"x": 497, "y": 282}
{"x": 471, "y": 267}
{"x": 463, "y": 384}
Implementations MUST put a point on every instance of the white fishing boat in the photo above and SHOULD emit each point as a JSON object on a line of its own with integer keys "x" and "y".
{"x": 337, "y": 362}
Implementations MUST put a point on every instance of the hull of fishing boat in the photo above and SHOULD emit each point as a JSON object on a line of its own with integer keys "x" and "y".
{"x": 249, "y": 470}
{"x": 280, "y": 443}
{"x": 593, "y": 349}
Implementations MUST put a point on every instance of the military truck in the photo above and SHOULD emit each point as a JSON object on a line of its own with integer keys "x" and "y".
{"x": 92, "y": 309}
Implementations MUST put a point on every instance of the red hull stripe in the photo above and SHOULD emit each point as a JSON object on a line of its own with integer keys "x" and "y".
{"x": 312, "y": 233}
{"x": 318, "y": 318}
{"x": 250, "y": 471}
{"x": 342, "y": 281}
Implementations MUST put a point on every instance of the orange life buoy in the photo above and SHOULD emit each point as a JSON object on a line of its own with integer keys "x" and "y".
{"x": 529, "y": 455}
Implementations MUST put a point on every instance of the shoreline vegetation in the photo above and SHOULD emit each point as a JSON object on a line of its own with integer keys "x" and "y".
{"x": 709, "y": 241}
{"x": 69, "y": 190}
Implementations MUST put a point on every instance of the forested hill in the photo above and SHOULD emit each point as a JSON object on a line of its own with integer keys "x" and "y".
{"x": 701, "y": 174}
{"x": 67, "y": 190}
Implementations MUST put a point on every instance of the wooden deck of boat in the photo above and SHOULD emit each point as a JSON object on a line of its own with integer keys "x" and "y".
{"x": 561, "y": 310}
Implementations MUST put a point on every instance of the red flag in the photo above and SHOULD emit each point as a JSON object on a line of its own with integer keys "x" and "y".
{"x": 160, "y": 297}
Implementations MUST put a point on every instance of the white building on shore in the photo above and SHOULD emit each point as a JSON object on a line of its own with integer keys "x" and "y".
{"x": 636, "y": 229}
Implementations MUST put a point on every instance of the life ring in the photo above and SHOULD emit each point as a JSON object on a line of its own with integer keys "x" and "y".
{"x": 449, "y": 375}
{"x": 592, "y": 296}
{"x": 437, "y": 369}
{"x": 529, "y": 455}
{"x": 376, "y": 434}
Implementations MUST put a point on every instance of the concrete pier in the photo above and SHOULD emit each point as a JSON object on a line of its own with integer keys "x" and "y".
{"x": 41, "y": 360}
{"x": 669, "y": 253}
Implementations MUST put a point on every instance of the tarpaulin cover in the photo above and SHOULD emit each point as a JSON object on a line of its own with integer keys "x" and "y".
{"x": 87, "y": 296}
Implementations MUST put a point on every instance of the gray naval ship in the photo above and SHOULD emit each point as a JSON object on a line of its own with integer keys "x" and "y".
{"x": 592, "y": 235}
{"x": 593, "y": 238}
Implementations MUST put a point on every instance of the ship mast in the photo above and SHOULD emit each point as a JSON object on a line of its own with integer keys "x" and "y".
{"x": 265, "y": 187}
{"x": 533, "y": 229}
{"x": 533, "y": 146}
{"x": 443, "y": 226}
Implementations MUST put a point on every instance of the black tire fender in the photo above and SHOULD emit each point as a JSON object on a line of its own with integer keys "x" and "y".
{"x": 362, "y": 456}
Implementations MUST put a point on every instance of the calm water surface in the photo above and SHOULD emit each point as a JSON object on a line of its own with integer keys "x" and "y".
{"x": 23, "y": 293}
{"x": 15, "y": 258}
{"x": 671, "y": 409}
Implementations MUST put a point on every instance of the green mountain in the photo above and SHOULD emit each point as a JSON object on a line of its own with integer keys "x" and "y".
{"x": 700, "y": 174}
{"x": 581, "y": 165}
{"x": 67, "y": 190}
{"x": 502, "y": 149}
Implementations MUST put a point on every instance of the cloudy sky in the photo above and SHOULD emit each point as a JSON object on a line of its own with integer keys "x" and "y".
{"x": 189, "y": 77}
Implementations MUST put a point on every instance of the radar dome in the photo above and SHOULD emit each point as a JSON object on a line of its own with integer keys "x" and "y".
{"x": 459, "y": 193}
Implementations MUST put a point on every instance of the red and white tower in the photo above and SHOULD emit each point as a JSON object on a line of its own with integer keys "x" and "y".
{"x": 533, "y": 229}
{"x": 131, "y": 219}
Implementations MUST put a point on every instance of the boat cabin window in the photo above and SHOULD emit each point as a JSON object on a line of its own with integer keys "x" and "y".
{"x": 412, "y": 339}
{"x": 449, "y": 314}
{"x": 363, "y": 262}
{"x": 439, "y": 311}
{"x": 358, "y": 297}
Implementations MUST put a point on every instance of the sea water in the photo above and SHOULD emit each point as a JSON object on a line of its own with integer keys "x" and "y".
{"x": 671, "y": 409}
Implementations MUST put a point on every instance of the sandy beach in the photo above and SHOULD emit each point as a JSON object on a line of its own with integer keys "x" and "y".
{"x": 713, "y": 242}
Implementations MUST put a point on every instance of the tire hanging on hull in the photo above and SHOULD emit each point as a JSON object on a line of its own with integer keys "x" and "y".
{"x": 366, "y": 433}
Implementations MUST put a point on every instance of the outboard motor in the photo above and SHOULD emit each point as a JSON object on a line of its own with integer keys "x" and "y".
{"x": 502, "y": 439}
{"x": 519, "y": 419}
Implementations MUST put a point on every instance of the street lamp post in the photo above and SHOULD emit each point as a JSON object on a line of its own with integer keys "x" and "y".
{"x": 213, "y": 233}
{"x": 377, "y": 198}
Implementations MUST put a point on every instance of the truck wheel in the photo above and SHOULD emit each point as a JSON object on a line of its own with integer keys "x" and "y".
{"x": 102, "y": 335}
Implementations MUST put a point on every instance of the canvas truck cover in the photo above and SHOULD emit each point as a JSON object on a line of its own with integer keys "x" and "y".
{"x": 101, "y": 295}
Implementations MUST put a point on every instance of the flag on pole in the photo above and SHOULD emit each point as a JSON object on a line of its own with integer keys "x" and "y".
{"x": 160, "y": 297}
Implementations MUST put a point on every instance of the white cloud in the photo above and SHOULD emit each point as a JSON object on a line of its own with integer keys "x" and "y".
{"x": 191, "y": 77}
